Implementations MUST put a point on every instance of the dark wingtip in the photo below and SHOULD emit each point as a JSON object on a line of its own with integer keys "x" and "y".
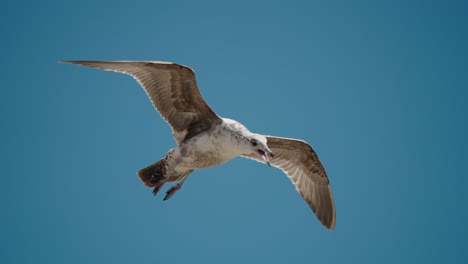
{"x": 330, "y": 226}
{"x": 75, "y": 62}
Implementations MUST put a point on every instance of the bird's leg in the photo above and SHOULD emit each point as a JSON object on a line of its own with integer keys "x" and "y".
{"x": 158, "y": 186}
{"x": 176, "y": 187}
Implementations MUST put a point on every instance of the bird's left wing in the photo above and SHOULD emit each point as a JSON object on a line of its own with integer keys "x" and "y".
{"x": 298, "y": 160}
{"x": 173, "y": 90}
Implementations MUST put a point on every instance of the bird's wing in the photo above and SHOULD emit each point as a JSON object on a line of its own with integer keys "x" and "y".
{"x": 300, "y": 163}
{"x": 172, "y": 88}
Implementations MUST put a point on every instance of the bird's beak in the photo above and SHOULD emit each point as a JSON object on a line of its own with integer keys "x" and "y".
{"x": 266, "y": 156}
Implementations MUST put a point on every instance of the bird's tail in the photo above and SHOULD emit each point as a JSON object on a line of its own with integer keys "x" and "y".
{"x": 153, "y": 174}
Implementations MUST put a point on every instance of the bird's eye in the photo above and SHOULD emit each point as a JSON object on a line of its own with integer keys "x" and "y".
{"x": 254, "y": 142}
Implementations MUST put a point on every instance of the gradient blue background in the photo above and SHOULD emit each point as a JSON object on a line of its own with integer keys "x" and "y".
{"x": 378, "y": 88}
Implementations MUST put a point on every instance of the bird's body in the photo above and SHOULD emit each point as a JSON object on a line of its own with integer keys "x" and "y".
{"x": 205, "y": 139}
{"x": 210, "y": 148}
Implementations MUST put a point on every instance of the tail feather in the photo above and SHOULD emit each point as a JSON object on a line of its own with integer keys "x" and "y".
{"x": 153, "y": 174}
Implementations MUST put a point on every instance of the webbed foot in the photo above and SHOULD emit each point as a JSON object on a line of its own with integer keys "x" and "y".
{"x": 172, "y": 190}
{"x": 158, "y": 187}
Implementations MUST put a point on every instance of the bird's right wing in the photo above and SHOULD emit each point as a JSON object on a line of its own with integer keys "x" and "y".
{"x": 298, "y": 160}
{"x": 173, "y": 90}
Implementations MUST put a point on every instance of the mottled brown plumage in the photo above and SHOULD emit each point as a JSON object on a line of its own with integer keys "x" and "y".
{"x": 298, "y": 161}
{"x": 204, "y": 139}
{"x": 173, "y": 90}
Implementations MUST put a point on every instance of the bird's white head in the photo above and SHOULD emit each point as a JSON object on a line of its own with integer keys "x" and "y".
{"x": 257, "y": 145}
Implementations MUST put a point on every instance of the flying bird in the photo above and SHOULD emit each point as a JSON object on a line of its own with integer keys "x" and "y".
{"x": 204, "y": 139}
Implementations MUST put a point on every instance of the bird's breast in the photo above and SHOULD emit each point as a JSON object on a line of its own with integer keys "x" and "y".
{"x": 209, "y": 149}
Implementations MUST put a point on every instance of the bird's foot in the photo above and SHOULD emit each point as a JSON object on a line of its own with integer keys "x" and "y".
{"x": 172, "y": 190}
{"x": 158, "y": 187}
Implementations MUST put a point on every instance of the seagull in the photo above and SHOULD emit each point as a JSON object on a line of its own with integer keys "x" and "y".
{"x": 205, "y": 139}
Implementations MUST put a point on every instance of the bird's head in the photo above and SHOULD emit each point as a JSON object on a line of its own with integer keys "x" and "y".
{"x": 257, "y": 144}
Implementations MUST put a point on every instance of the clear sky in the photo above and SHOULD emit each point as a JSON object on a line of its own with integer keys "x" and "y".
{"x": 378, "y": 88}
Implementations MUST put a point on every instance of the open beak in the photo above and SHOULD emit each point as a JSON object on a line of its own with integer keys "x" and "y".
{"x": 266, "y": 155}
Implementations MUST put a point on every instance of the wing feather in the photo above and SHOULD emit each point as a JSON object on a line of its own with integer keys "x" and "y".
{"x": 173, "y": 90}
{"x": 300, "y": 163}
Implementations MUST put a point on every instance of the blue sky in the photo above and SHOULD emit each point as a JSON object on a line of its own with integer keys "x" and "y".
{"x": 377, "y": 87}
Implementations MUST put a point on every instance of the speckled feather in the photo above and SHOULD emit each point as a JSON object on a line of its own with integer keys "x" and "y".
{"x": 205, "y": 140}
